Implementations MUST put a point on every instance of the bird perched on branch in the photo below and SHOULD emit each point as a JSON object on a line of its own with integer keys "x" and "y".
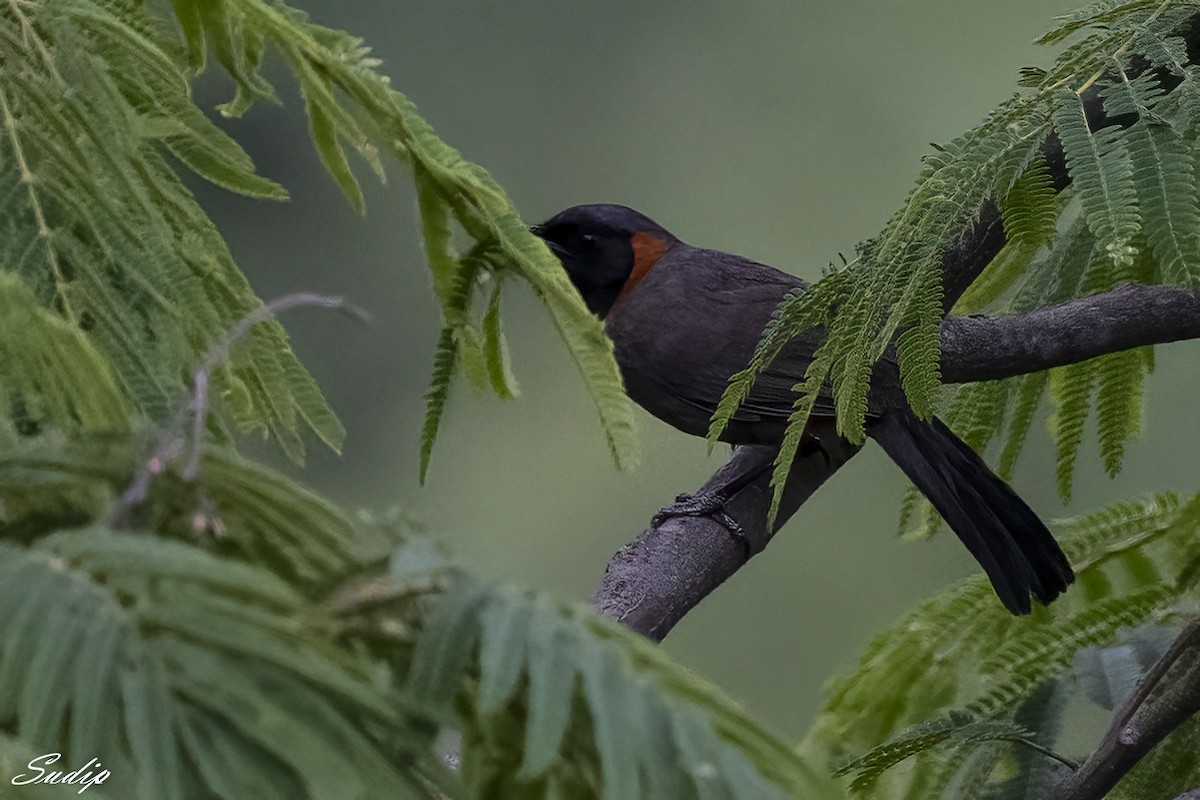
{"x": 683, "y": 320}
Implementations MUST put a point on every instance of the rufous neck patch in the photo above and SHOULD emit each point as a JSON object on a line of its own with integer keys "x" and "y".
{"x": 647, "y": 250}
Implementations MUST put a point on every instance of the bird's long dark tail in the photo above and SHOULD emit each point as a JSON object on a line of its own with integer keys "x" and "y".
{"x": 1008, "y": 540}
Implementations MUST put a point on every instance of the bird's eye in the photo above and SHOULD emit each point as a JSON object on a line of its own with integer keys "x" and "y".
{"x": 587, "y": 238}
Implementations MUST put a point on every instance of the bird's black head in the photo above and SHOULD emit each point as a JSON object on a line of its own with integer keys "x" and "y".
{"x": 605, "y": 249}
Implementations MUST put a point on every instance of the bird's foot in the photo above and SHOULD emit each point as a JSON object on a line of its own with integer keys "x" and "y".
{"x": 703, "y": 504}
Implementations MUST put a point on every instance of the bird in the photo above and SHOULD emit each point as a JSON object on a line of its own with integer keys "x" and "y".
{"x": 684, "y": 319}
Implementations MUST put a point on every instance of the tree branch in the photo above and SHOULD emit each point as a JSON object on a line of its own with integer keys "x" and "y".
{"x": 1156, "y": 708}
{"x": 1131, "y": 315}
{"x": 651, "y": 583}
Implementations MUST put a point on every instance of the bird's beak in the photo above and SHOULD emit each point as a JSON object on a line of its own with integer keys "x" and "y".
{"x": 539, "y": 230}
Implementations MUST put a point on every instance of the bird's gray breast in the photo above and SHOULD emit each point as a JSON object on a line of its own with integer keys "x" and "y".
{"x": 687, "y": 327}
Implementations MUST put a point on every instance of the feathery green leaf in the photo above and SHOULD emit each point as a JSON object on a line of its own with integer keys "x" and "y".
{"x": 961, "y": 651}
{"x": 444, "y": 360}
{"x": 98, "y": 225}
{"x": 1163, "y": 177}
{"x": 350, "y": 104}
{"x": 1102, "y": 176}
{"x": 586, "y": 692}
{"x": 184, "y": 646}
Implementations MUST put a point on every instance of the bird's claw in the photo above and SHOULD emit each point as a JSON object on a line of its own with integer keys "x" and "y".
{"x": 702, "y": 504}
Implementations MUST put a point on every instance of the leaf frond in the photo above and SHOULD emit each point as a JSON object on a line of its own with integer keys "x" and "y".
{"x": 960, "y": 650}
{"x": 95, "y": 100}
{"x": 575, "y": 692}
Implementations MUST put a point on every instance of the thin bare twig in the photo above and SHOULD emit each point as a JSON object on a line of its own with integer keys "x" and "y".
{"x": 185, "y": 432}
{"x": 1070, "y": 763}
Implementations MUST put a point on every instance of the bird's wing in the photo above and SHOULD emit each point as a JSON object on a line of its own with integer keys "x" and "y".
{"x": 736, "y": 299}
{"x": 773, "y": 393}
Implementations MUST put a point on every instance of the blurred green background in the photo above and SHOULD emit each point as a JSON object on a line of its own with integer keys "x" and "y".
{"x": 783, "y": 131}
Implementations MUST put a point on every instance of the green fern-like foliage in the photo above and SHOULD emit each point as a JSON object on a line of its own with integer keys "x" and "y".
{"x": 563, "y": 703}
{"x": 122, "y": 637}
{"x": 280, "y": 527}
{"x": 39, "y": 370}
{"x": 956, "y": 730}
{"x": 1130, "y": 212}
{"x": 1130, "y": 215}
{"x": 957, "y": 652}
{"x": 351, "y": 104}
{"x": 97, "y": 116}
{"x": 192, "y": 663}
{"x": 295, "y": 653}
{"x": 1105, "y": 392}
{"x": 469, "y": 343}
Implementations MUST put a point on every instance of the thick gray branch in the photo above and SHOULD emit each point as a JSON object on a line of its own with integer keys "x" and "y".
{"x": 1132, "y": 315}
{"x": 651, "y": 583}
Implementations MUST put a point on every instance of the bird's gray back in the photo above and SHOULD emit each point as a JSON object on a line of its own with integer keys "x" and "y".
{"x": 716, "y": 305}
